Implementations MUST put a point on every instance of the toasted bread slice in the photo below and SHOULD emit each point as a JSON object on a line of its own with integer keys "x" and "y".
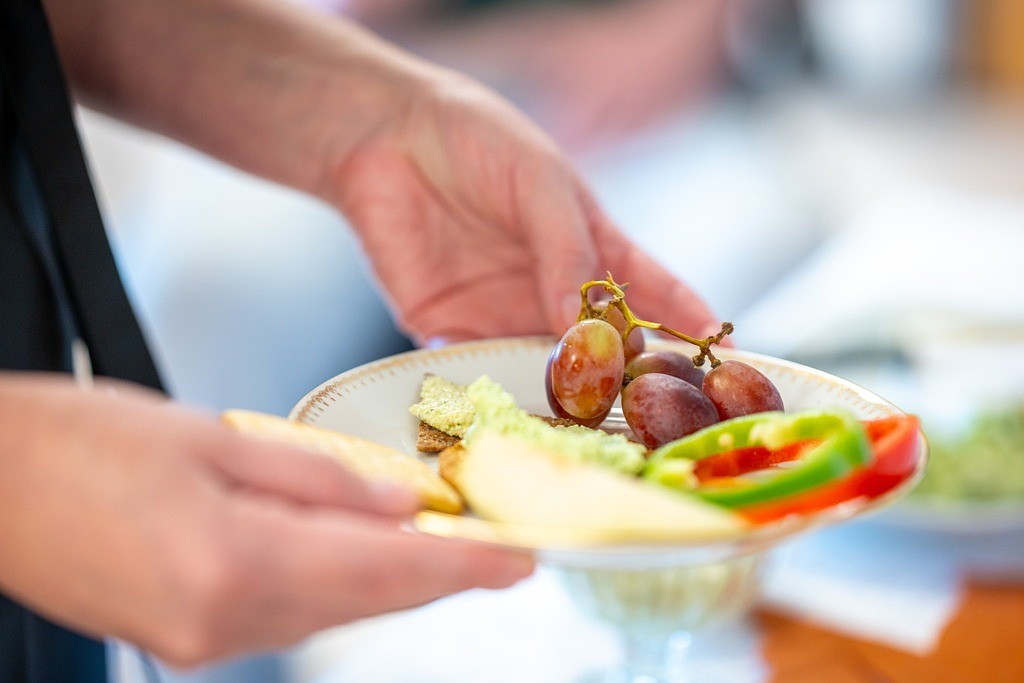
{"x": 367, "y": 459}
{"x": 433, "y": 440}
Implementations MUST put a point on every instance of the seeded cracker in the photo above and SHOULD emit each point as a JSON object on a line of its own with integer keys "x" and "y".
{"x": 433, "y": 440}
{"x": 444, "y": 406}
{"x": 446, "y": 412}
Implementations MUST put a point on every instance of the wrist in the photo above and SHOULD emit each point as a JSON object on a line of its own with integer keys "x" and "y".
{"x": 371, "y": 88}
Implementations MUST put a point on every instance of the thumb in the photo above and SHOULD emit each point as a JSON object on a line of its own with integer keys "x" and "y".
{"x": 304, "y": 477}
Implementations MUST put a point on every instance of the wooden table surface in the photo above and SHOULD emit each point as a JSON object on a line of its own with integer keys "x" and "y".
{"x": 984, "y": 642}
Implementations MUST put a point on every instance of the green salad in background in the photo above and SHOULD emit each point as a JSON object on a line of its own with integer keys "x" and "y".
{"x": 985, "y": 463}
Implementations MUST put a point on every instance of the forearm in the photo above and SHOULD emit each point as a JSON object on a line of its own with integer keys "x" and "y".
{"x": 265, "y": 85}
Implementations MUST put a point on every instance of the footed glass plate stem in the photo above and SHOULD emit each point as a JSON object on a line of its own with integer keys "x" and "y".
{"x": 652, "y": 658}
{"x": 655, "y": 609}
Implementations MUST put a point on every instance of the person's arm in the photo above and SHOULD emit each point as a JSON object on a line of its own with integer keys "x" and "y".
{"x": 475, "y": 223}
{"x": 122, "y": 515}
{"x": 263, "y": 84}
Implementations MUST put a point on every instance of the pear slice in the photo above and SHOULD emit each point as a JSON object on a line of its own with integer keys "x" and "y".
{"x": 509, "y": 480}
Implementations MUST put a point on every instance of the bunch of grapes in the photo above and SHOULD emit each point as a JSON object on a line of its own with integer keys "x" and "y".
{"x": 665, "y": 394}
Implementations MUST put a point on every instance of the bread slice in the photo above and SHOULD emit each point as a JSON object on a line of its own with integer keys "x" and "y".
{"x": 367, "y": 459}
{"x": 433, "y": 440}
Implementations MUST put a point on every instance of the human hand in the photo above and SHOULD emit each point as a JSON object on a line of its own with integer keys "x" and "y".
{"x": 122, "y": 515}
{"x": 477, "y": 226}
{"x": 474, "y": 222}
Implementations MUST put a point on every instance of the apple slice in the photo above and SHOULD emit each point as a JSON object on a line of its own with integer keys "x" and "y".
{"x": 509, "y": 480}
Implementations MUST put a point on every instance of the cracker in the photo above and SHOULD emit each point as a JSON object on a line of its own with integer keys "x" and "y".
{"x": 448, "y": 462}
{"x": 369, "y": 460}
{"x": 557, "y": 421}
{"x": 433, "y": 440}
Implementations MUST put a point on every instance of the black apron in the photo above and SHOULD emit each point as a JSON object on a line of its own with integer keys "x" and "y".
{"x": 58, "y": 281}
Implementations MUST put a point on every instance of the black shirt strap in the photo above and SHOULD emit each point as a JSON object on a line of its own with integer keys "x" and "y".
{"x": 42, "y": 113}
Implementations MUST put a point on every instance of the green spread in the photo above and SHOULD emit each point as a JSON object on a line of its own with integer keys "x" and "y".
{"x": 496, "y": 410}
{"x": 444, "y": 405}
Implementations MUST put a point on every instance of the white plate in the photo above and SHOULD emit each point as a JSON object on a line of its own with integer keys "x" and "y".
{"x": 372, "y": 402}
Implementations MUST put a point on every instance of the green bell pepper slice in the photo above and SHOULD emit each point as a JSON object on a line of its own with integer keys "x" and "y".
{"x": 842, "y": 446}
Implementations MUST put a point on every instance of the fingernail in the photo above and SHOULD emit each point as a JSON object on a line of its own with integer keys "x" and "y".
{"x": 518, "y": 568}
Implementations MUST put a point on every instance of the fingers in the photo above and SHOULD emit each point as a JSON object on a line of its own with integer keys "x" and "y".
{"x": 654, "y": 293}
{"x": 312, "y": 568}
{"x": 304, "y": 477}
{"x": 573, "y": 242}
{"x": 351, "y": 570}
{"x": 560, "y": 238}
{"x": 499, "y": 304}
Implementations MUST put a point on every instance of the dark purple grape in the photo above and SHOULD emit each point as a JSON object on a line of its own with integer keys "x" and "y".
{"x": 738, "y": 389}
{"x": 667, "y": 363}
{"x": 557, "y": 408}
{"x": 587, "y": 367}
{"x": 635, "y": 341}
{"x": 660, "y": 408}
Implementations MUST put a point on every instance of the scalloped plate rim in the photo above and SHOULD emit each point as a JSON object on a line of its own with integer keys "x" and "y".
{"x": 318, "y": 400}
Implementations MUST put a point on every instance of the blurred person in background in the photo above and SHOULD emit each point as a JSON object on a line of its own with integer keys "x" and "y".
{"x": 126, "y": 516}
{"x": 591, "y": 72}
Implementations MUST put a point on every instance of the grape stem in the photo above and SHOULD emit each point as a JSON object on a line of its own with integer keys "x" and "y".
{"x": 618, "y": 300}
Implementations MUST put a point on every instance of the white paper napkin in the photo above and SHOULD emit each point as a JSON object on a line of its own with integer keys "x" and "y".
{"x": 856, "y": 583}
{"x": 899, "y": 587}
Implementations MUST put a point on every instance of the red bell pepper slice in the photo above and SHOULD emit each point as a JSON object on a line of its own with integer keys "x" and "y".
{"x": 745, "y": 460}
{"x": 894, "y": 441}
{"x": 840, "y": 446}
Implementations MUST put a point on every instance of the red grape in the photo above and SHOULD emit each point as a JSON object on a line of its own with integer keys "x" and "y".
{"x": 738, "y": 389}
{"x": 660, "y": 408}
{"x": 587, "y": 367}
{"x": 667, "y": 363}
{"x": 557, "y": 408}
{"x": 635, "y": 341}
